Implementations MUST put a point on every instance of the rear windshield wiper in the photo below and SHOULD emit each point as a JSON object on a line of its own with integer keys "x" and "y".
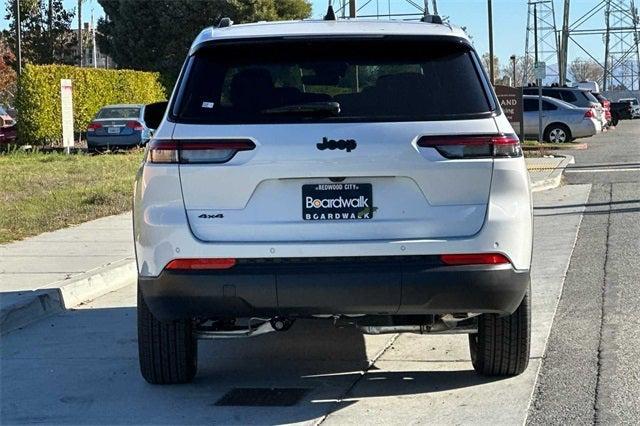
{"x": 328, "y": 108}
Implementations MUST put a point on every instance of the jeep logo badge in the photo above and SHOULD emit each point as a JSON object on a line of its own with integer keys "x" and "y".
{"x": 341, "y": 144}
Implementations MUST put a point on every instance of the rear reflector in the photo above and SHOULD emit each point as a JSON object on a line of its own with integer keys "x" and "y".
{"x": 200, "y": 264}
{"x": 474, "y": 259}
{"x": 196, "y": 151}
{"x": 473, "y": 146}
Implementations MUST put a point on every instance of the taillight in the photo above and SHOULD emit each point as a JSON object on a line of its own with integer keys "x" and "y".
{"x": 196, "y": 151}
{"x": 200, "y": 264}
{"x": 474, "y": 259}
{"x": 93, "y": 126}
{"x": 473, "y": 146}
{"x": 135, "y": 125}
{"x": 590, "y": 113}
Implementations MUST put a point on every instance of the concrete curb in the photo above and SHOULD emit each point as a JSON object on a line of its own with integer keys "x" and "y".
{"x": 556, "y": 177}
{"x": 62, "y": 295}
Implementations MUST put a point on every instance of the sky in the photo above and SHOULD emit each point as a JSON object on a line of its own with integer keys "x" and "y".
{"x": 509, "y": 16}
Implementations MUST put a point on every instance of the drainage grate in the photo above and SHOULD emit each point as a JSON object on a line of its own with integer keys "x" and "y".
{"x": 262, "y": 397}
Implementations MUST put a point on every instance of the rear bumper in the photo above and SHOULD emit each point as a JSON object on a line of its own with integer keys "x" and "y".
{"x": 104, "y": 141}
{"x": 377, "y": 286}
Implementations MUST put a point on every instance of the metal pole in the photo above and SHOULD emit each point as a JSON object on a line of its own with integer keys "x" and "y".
{"x": 513, "y": 64}
{"x": 352, "y": 8}
{"x": 435, "y": 7}
{"x": 538, "y": 80}
{"x": 564, "y": 43}
{"x": 606, "y": 48}
{"x": 490, "y": 16}
{"x": 19, "y": 36}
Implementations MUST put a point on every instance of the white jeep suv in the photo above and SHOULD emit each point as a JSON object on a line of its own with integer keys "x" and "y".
{"x": 352, "y": 171}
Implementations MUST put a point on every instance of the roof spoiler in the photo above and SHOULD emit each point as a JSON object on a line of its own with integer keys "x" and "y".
{"x": 331, "y": 14}
{"x": 432, "y": 19}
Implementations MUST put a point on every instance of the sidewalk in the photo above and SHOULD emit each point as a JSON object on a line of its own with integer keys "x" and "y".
{"x": 59, "y": 269}
{"x": 546, "y": 172}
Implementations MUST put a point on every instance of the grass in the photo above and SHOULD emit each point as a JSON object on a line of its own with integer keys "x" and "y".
{"x": 43, "y": 192}
{"x": 537, "y": 149}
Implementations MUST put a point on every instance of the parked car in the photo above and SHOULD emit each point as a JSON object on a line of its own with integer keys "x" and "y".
{"x": 620, "y": 111}
{"x": 8, "y": 129}
{"x": 307, "y": 177}
{"x": 561, "y": 121}
{"x": 635, "y": 107}
{"x": 581, "y": 98}
{"x": 6, "y": 119}
{"x": 118, "y": 126}
{"x": 606, "y": 105}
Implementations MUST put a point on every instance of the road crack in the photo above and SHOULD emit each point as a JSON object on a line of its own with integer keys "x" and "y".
{"x": 363, "y": 373}
{"x": 602, "y": 307}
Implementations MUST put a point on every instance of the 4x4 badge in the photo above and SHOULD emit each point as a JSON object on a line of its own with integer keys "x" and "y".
{"x": 211, "y": 216}
{"x": 348, "y": 144}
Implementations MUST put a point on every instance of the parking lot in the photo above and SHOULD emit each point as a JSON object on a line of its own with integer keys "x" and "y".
{"x": 81, "y": 366}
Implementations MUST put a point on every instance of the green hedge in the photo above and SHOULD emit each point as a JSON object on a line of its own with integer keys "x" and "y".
{"x": 38, "y": 100}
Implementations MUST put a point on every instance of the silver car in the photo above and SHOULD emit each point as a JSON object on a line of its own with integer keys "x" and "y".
{"x": 561, "y": 121}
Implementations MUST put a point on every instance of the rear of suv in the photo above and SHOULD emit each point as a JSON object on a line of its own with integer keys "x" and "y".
{"x": 358, "y": 172}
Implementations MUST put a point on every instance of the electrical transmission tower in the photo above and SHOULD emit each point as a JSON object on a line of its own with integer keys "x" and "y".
{"x": 620, "y": 34}
{"x": 622, "y": 57}
{"x": 542, "y": 17}
{"x": 383, "y": 9}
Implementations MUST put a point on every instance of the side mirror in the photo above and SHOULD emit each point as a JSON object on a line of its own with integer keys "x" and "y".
{"x": 153, "y": 114}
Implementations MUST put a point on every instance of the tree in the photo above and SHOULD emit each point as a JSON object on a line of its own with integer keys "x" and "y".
{"x": 154, "y": 35}
{"x": 46, "y": 31}
{"x": 486, "y": 63}
{"x": 586, "y": 70}
{"x": 524, "y": 71}
{"x": 7, "y": 73}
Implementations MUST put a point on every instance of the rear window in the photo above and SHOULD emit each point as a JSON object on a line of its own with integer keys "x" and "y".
{"x": 332, "y": 80}
{"x": 127, "y": 112}
{"x": 589, "y": 96}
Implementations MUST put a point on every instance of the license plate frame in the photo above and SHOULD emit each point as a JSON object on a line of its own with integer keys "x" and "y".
{"x": 113, "y": 130}
{"x": 337, "y": 201}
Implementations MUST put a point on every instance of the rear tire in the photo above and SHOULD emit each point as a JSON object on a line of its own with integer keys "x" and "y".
{"x": 501, "y": 346}
{"x": 168, "y": 351}
{"x": 557, "y": 133}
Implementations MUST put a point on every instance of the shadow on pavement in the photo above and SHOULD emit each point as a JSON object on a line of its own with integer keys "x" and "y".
{"x": 81, "y": 367}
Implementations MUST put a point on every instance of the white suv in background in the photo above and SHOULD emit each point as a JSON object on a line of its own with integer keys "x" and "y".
{"x": 356, "y": 171}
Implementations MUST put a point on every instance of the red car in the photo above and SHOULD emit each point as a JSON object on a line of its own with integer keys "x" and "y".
{"x": 7, "y": 128}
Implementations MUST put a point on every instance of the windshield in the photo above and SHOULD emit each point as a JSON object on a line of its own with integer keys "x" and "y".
{"x": 119, "y": 112}
{"x": 332, "y": 80}
{"x": 3, "y": 111}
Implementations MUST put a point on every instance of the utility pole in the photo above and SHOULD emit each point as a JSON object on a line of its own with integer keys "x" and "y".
{"x": 538, "y": 80}
{"x": 80, "y": 31}
{"x": 564, "y": 44}
{"x": 352, "y": 8}
{"x": 513, "y": 64}
{"x": 19, "y": 36}
{"x": 490, "y": 16}
{"x": 49, "y": 28}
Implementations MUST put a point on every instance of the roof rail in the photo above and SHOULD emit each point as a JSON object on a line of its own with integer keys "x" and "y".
{"x": 225, "y": 22}
{"x": 432, "y": 19}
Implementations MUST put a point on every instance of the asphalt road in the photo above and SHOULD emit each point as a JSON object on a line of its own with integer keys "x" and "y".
{"x": 591, "y": 370}
{"x": 80, "y": 367}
